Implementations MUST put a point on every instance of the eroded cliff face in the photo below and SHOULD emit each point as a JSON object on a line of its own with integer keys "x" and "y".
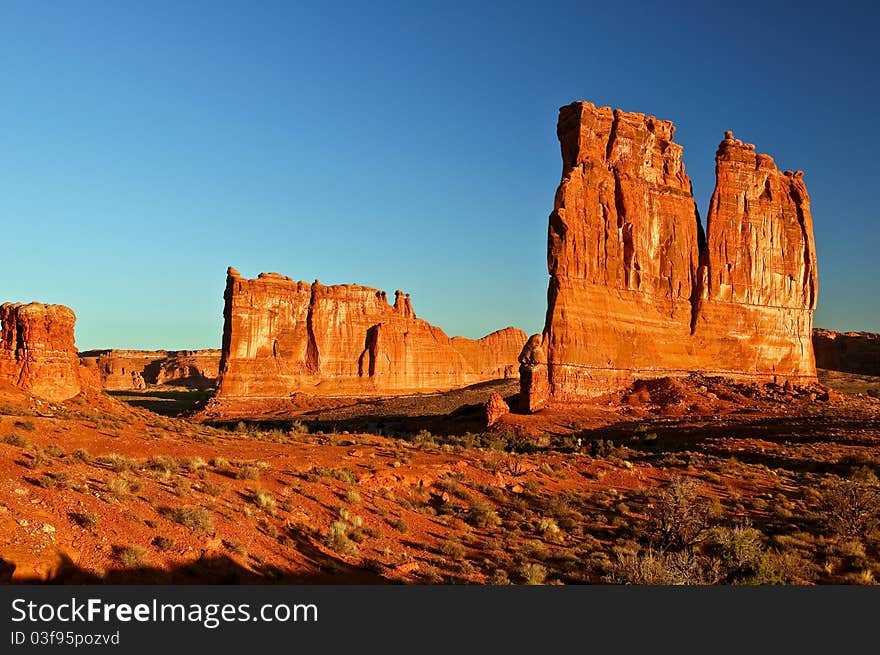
{"x": 851, "y": 352}
{"x": 135, "y": 369}
{"x": 758, "y": 287}
{"x": 37, "y": 350}
{"x": 282, "y": 336}
{"x": 638, "y": 290}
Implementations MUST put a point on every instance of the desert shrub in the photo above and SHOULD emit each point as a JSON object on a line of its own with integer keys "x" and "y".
{"x": 740, "y": 550}
{"x": 338, "y": 538}
{"x": 344, "y": 475}
{"x": 780, "y": 567}
{"x": 213, "y": 489}
{"x": 55, "y": 450}
{"x": 549, "y": 529}
{"x": 117, "y": 463}
{"x": 499, "y": 577}
{"x": 603, "y": 448}
{"x": 37, "y": 460}
{"x": 162, "y": 464}
{"x": 248, "y": 472}
{"x": 352, "y": 496}
{"x": 533, "y": 574}
{"x": 55, "y": 480}
{"x": 15, "y": 439}
{"x": 122, "y": 487}
{"x": 453, "y": 550}
{"x": 194, "y": 517}
{"x": 163, "y": 543}
{"x": 298, "y": 427}
{"x": 650, "y": 567}
{"x": 263, "y": 499}
{"x": 482, "y": 515}
{"x": 82, "y": 455}
{"x": 193, "y": 463}
{"x": 679, "y": 517}
{"x": 221, "y": 464}
{"x": 84, "y": 519}
{"x": 129, "y": 556}
{"x": 27, "y": 426}
{"x": 399, "y": 524}
{"x": 852, "y": 505}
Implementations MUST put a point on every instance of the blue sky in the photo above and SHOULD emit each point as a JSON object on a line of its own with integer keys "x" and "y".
{"x": 145, "y": 147}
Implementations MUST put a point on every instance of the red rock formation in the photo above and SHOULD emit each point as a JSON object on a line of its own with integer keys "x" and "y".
{"x": 37, "y": 350}
{"x": 636, "y": 290}
{"x": 757, "y": 288}
{"x": 282, "y": 336}
{"x": 851, "y": 352}
{"x": 134, "y": 369}
{"x": 496, "y": 408}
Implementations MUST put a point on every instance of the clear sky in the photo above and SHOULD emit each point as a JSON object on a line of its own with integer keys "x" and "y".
{"x": 146, "y": 146}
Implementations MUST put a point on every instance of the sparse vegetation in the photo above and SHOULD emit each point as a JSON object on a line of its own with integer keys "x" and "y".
{"x": 129, "y": 556}
{"x": 15, "y": 439}
{"x": 195, "y": 518}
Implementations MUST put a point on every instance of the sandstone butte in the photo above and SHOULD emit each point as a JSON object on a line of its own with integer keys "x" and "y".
{"x": 637, "y": 290}
{"x": 281, "y": 337}
{"x": 38, "y": 353}
{"x": 851, "y": 352}
{"x": 134, "y": 369}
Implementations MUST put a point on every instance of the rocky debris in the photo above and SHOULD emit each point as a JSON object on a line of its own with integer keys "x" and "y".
{"x": 37, "y": 350}
{"x": 496, "y": 408}
{"x": 135, "y": 369}
{"x": 281, "y": 337}
{"x": 638, "y": 290}
{"x": 850, "y": 352}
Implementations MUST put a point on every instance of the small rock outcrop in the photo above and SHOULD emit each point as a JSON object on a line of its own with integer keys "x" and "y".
{"x": 850, "y": 352}
{"x": 638, "y": 289}
{"x": 37, "y": 350}
{"x": 496, "y": 408}
{"x": 282, "y": 336}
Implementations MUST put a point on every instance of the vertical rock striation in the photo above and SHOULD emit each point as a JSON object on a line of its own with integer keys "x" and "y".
{"x": 282, "y": 336}
{"x": 638, "y": 290}
{"x": 37, "y": 350}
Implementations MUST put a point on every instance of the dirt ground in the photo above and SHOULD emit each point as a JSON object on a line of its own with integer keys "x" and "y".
{"x": 418, "y": 490}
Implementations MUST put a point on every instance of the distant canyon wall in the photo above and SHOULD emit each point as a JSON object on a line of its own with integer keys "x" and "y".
{"x": 637, "y": 289}
{"x": 135, "y": 369}
{"x": 282, "y": 336}
{"x": 850, "y": 352}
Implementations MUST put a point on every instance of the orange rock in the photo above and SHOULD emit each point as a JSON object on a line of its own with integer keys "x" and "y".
{"x": 638, "y": 291}
{"x": 134, "y": 369}
{"x": 282, "y": 337}
{"x": 37, "y": 350}
{"x": 851, "y": 352}
{"x": 496, "y": 408}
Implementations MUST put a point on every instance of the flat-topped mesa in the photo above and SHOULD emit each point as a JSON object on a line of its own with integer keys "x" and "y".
{"x": 135, "y": 369}
{"x": 282, "y": 337}
{"x": 37, "y": 350}
{"x": 636, "y": 287}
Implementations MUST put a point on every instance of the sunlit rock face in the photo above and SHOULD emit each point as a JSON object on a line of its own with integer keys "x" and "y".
{"x": 282, "y": 336}
{"x": 37, "y": 350}
{"x": 638, "y": 290}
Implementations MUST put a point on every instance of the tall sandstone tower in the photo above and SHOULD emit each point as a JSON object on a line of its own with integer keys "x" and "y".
{"x": 638, "y": 290}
